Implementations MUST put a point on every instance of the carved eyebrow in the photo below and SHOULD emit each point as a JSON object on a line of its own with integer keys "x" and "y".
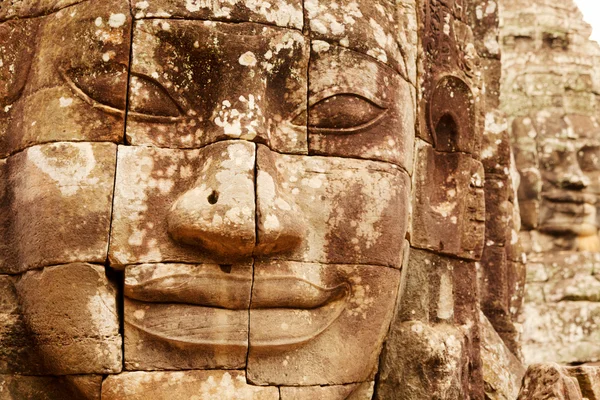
{"x": 85, "y": 97}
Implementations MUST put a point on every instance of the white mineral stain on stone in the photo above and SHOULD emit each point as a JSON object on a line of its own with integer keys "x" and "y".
{"x": 116, "y": 20}
{"x": 98, "y": 21}
{"x": 446, "y": 299}
{"x": 71, "y": 173}
{"x": 271, "y": 223}
{"x": 248, "y": 59}
{"x": 320, "y": 46}
{"x": 192, "y": 5}
{"x": 65, "y": 101}
{"x": 142, "y": 5}
{"x": 139, "y": 314}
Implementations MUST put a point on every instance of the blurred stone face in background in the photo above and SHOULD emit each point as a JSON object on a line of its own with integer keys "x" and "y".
{"x": 561, "y": 200}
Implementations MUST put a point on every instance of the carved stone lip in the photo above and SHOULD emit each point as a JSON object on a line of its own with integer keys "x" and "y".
{"x": 227, "y": 291}
{"x": 212, "y": 309}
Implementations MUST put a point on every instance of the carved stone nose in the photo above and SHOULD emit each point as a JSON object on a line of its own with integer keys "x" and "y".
{"x": 218, "y": 214}
{"x": 229, "y": 205}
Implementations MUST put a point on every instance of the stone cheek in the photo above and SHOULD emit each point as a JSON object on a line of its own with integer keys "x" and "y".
{"x": 449, "y": 211}
{"x": 362, "y": 207}
{"x": 74, "y": 87}
{"x": 333, "y": 315}
{"x": 58, "y": 332}
{"x": 75, "y": 181}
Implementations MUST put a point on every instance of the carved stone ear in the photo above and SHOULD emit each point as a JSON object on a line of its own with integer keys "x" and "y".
{"x": 451, "y": 114}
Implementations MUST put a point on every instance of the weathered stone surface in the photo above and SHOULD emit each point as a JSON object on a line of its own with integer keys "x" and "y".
{"x": 305, "y": 318}
{"x": 285, "y": 13}
{"x": 183, "y": 385}
{"x": 73, "y": 86}
{"x": 548, "y": 381}
{"x": 430, "y": 291}
{"x": 356, "y": 114}
{"x": 365, "y": 228}
{"x": 449, "y": 210}
{"x": 159, "y": 191}
{"x": 18, "y": 387}
{"x": 562, "y": 332}
{"x": 561, "y": 312}
{"x": 60, "y": 320}
{"x": 27, "y": 8}
{"x": 423, "y": 362}
{"x": 380, "y": 35}
{"x": 355, "y": 391}
{"x": 75, "y": 181}
{"x": 197, "y": 82}
{"x": 588, "y": 377}
{"x": 162, "y": 194}
{"x": 502, "y": 371}
{"x": 181, "y": 316}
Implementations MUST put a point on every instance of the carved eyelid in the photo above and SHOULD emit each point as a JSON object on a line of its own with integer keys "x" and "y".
{"x": 354, "y": 92}
{"x": 342, "y": 90}
{"x": 119, "y": 112}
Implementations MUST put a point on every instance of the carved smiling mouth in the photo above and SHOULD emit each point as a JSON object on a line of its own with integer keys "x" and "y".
{"x": 210, "y": 308}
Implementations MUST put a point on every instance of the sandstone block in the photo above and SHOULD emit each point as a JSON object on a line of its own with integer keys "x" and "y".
{"x": 18, "y": 387}
{"x": 75, "y": 181}
{"x": 67, "y": 316}
{"x": 409, "y": 349}
{"x": 358, "y": 115}
{"x": 449, "y": 210}
{"x": 502, "y": 371}
{"x": 184, "y": 385}
{"x": 283, "y": 13}
{"x": 345, "y": 23}
{"x": 217, "y": 82}
{"x": 314, "y": 324}
{"x": 366, "y": 227}
{"x": 167, "y": 194}
{"x": 182, "y": 316}
{"x": 549, "y": 381}
{"x": 355, "y": 391}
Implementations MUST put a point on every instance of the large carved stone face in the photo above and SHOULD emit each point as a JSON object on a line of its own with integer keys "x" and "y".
{"x": 251, "y": 180}
{"x": 566, "y": 150}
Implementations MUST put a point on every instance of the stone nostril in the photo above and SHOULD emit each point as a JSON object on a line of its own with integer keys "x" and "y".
{"x": 213, "y": 197}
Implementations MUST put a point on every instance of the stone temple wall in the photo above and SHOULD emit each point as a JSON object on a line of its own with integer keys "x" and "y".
{"x": 550, "y": 91}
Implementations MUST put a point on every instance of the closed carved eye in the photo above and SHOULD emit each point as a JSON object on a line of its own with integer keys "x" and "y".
{"x": 150, "y": 101}
{"x": 102, "y": 88}
{"x": 589, "y": 158}
{"x": 105, "y": 89}
{"x": 344, "y": 114}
